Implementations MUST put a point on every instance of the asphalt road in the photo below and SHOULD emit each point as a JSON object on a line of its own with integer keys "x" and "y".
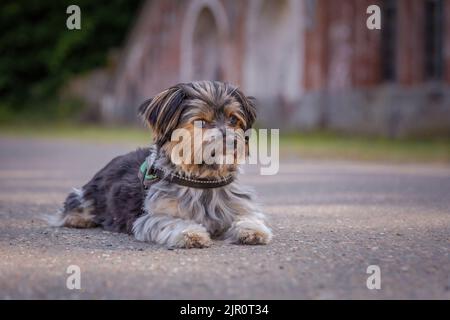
{"x": 331, "y": 220}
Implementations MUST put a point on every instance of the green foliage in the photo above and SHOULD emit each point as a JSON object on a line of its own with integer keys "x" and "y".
{"x": 38, "y": 53}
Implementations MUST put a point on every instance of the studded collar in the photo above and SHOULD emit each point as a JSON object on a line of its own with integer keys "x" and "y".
{"x": 150, "y": 174}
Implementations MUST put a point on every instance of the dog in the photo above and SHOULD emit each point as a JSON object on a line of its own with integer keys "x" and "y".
{"x": 185, "y": 205}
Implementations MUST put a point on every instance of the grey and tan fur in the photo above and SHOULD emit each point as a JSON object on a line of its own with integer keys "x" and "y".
{"x": 167, "y": 213}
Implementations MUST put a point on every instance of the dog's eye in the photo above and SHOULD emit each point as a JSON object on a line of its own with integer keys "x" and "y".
{"x": 233, "y": 120}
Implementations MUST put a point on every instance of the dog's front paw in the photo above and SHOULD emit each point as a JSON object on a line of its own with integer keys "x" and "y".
{"x": 249, "y": 231}
{"x": 195, "y": 239}
{"x": 253, "y": 237}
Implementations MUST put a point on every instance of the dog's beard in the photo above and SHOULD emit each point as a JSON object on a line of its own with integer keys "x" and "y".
{"x": 217, "y": 155}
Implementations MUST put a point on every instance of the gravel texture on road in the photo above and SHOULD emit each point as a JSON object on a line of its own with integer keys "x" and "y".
{"x": 331, "y": 220}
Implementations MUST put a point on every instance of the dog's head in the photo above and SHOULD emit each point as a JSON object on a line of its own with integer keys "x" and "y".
{"x": 202, "y": 126}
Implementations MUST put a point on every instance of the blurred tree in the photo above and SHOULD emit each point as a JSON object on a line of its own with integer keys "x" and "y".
{"x": 38, "y": 53}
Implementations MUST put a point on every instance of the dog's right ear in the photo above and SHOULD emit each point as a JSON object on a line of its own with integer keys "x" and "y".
{"x": 143, "y": 108}
{"x": 162, "y": 113}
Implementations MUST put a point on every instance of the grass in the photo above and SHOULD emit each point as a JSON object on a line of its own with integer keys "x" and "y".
{"x": 326, "y": 145}
{"x": 312, "y": 145}
{"x": 86, "y": 133}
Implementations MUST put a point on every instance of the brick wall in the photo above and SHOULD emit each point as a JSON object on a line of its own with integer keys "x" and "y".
{"x": 336, "y": 69}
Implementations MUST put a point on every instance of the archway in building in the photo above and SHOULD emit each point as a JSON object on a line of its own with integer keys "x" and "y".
{"x": 206, "y": 54}
{"x": 203, "y": 41}
{"x": 273, "y": 68}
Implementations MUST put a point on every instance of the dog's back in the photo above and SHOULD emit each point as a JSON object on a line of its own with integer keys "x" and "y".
{"x": 109, "y": 199}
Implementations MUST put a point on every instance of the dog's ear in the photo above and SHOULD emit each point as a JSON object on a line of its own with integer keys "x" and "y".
{"x": 248, "y": 105}
{"x": 162, "y": 112}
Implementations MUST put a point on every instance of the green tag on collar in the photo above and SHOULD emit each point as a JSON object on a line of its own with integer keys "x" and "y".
{"x": 144, "y": 172}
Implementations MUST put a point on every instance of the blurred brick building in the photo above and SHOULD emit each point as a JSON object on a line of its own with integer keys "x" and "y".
{"x": 311, "y": 63}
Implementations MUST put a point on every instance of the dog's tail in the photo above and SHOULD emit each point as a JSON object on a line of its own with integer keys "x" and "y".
{"x": 77, "y": 212}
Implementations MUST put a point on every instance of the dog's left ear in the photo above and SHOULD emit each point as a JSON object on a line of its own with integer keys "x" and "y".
{"x": 248, "y": 105}
{"x": 162, "y": 112}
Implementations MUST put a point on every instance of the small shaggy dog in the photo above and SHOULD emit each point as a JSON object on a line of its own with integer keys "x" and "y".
{"x": 183, "y": 205}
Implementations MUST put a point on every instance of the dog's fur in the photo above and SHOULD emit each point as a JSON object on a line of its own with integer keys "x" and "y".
{"x": 167, "y": 213}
